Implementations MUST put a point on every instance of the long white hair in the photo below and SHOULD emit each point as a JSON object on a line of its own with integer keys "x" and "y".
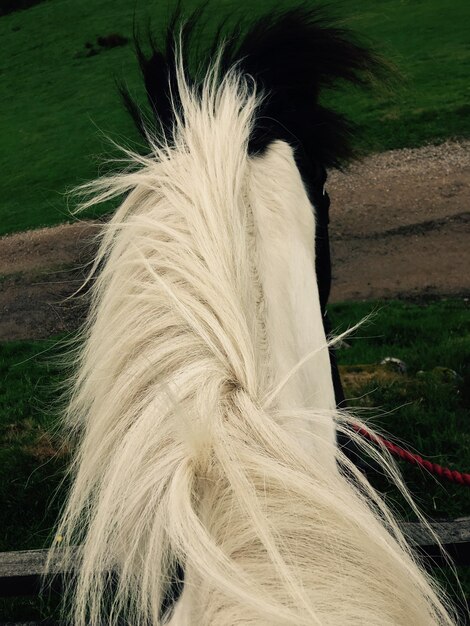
{"x": 203, "y": 406}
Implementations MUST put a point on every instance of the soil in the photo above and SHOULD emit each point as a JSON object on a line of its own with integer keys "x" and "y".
{"x": 400, "y": 225}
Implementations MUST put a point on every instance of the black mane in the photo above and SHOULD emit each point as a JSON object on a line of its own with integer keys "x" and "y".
{"x": 292, "y": 56}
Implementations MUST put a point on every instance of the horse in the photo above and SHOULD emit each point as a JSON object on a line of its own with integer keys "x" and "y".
{"x": 203, "y": 408}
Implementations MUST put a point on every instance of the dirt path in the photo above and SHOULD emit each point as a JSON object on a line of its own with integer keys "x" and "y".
{"x": 400, "y": 226}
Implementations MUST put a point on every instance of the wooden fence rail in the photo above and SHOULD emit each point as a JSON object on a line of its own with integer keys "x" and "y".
{"x": 21, "y": 572}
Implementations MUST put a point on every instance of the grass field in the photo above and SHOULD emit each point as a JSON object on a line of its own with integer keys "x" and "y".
{"x": 56, "y": 102}
{"x": 427, "y": 407}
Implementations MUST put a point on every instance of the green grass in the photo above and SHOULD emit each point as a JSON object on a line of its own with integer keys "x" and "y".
{"x": 429, "y": 411}
{"x": 55, "y": 103}
{"x": 427, "y": 408}
{"x": 30, "y": 473}
{"x": 424, "y": 335}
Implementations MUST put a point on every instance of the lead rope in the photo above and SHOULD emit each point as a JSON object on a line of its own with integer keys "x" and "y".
{"x": 444, "y": 473}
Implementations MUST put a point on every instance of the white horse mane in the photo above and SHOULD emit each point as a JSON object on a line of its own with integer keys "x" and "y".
{"x": 203, "y": 406}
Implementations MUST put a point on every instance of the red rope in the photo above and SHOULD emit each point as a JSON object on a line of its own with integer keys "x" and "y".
{"x": 444, "y": 473}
